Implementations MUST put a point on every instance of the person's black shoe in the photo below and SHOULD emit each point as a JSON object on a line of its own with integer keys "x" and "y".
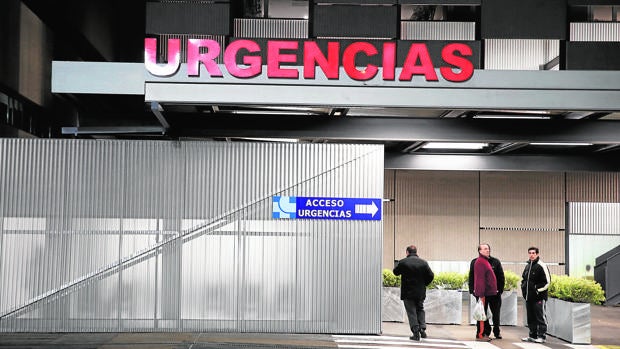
{"x": 498, "y": 336}
{"x": 415, "y": 337}
{"x": 423, "y": 334}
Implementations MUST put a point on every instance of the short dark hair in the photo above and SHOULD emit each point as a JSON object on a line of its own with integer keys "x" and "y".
{"x": 412, "y": 249}
{"x": 533, "y": 248}
{"x": 484, "y": 243}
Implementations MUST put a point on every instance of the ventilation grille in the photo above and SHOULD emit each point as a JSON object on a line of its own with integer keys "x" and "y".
{"x": 595, "y": 32}
{"x": 517, "y": 54}
{"x": 162, "y": 42}
{"x": 423, "y": 30}
{"x": 271, "y": 28}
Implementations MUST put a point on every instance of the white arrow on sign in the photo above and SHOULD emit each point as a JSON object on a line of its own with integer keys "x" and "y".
{"x": 368, "y": 209}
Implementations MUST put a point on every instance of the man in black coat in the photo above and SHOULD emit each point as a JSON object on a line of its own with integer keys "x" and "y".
{"x": 534, "y": 286}
{"x": 416, "y": 275}
{"x": 494, "y": 302}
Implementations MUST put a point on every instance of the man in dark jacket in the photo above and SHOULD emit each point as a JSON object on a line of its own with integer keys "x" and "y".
{"x": 491, "y": 302}
{"x": 416, "y": 275}
{"x": 534, "y": 285}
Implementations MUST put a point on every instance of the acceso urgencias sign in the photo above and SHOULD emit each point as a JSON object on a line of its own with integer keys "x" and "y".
{"x": 302, "y": 207}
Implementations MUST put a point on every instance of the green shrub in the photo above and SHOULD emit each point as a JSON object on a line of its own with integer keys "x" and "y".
{"x": 512, "y": 280}
{"x": 389, "y": 279}
{"x": 578, "y": 290}
{"x": 448, "y": 281}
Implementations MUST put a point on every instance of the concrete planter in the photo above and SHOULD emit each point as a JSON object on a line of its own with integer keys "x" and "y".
{"x": 508, "y": 316}
{"x": 443, "y": 306}
{"x": 392, "y": 307}
{"x": 569, "y": 321}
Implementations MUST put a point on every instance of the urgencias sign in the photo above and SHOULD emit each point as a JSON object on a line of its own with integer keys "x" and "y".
{"x": 282, "y": 62}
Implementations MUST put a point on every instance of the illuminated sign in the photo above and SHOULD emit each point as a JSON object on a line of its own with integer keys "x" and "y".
{"x": 282, "y": 61}
{"x": 303, "y": 207}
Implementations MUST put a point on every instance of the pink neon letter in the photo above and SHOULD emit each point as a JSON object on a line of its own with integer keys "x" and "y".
{"x": 389, "y": 60}
{"x": 150, "y": 57}
{"x": 348, "y": 61}
{"x": 466, "y": 66}
{"x": 194, "y": 57}
{"x": 410, "y": 68}
{"x": 274, "y": 58}
{"x": 313, "y": 55}
{"x": 254, "y": 62}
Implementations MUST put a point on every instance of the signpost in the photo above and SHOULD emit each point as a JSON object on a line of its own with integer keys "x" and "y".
{"x": 302, "y": 207}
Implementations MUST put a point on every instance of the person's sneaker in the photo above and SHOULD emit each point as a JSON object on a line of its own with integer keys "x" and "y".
{"x": 415, "y": 337}
{"x": 498, "y": 336}
{"x": 539, "y": 340}
{"x": 423, "y": 334}
{"x": 528, "y": 339}
{"x": 483, "y": 339}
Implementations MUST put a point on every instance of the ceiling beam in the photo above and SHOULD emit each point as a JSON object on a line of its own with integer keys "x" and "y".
{"x": 112, "y": 130}
{"x": 538, "y": 163}
{"x": 395, "y": 129}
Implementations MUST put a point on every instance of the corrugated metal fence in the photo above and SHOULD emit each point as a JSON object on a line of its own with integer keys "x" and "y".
{"x": 169, "y": 236}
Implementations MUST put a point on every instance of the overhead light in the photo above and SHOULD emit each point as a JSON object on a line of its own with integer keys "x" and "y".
{"x": 285, "y": 140}
{"x": 449, "y": 145}
{"x": 513, "y": 116}
{"x": 270, "y": 112}
{"x": 561, "y": 143}
{"x": 524, "y": 111}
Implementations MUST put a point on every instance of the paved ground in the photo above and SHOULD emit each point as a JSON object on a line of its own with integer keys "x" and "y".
{"x": 605, "y": 330}
{"x": 605, "y": 335}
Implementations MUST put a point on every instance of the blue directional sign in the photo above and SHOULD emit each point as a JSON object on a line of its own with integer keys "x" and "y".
{"x": 303, "y": 207}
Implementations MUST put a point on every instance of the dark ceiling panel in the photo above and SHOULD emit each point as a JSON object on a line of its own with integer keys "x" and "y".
{"x": 524, "y": 19}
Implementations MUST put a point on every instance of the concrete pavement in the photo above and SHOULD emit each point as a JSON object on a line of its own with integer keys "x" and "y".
{"x": 605, "y": 335}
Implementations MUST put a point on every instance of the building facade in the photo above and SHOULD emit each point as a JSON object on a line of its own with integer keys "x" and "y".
{"x": 164, "y": 130}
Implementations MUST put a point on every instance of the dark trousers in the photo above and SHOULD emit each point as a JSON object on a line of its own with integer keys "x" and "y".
{"x": 536, "y": 318}
{"x": 415, "y": 314}
{"x": 495, "y": 304}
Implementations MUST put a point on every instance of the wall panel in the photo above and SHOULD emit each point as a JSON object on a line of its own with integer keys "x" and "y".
{"x": 510, "y": 246}
{"x": 501, "y": 54}
{"x": 346, "y": 21}
{"x": 593, "y": 187}
{"x": 437, "y": 30}
{"x": 522, "y": 200}
{"x": 389, "y": 220}
{"x": 271, "y": 28}
{"x": 583, "y": 55}
{"x": 125, "y": 236}
{"x": 525, "y": 19}
{"x": 602, "y": 31}
{"x": 187, "y": 17}
{"x": 438, "y": 212}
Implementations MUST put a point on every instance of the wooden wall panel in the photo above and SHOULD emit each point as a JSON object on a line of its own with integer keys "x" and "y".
{"x": 447, "y": 213}
{"x": 510, "y": 246}
{"x": 438, "y": 212}
{"x": 593, "y": 187}
{"x": 522, "y": 200}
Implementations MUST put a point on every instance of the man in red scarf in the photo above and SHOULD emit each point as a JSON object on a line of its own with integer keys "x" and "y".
{"x": 485, "y": 286}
